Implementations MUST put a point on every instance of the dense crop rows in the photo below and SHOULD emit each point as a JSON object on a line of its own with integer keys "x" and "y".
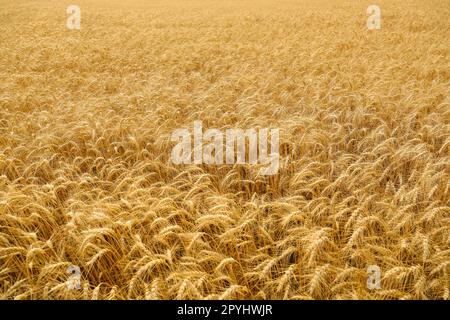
{"x": 85, "y": 123}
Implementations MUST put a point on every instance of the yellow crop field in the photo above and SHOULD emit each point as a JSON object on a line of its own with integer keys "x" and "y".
{"x": 92, "y": 205}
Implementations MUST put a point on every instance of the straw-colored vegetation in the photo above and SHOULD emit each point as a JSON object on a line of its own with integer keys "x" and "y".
{"x": 85, "y": 124}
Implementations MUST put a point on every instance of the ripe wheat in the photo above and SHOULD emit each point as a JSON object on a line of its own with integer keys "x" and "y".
{"x": 85, "y": 123}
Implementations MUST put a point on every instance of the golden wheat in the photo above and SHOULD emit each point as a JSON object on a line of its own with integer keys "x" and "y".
{"x": 85, "y": 123}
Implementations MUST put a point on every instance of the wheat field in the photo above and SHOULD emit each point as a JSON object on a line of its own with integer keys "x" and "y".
{"x": 85, "y": 123}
